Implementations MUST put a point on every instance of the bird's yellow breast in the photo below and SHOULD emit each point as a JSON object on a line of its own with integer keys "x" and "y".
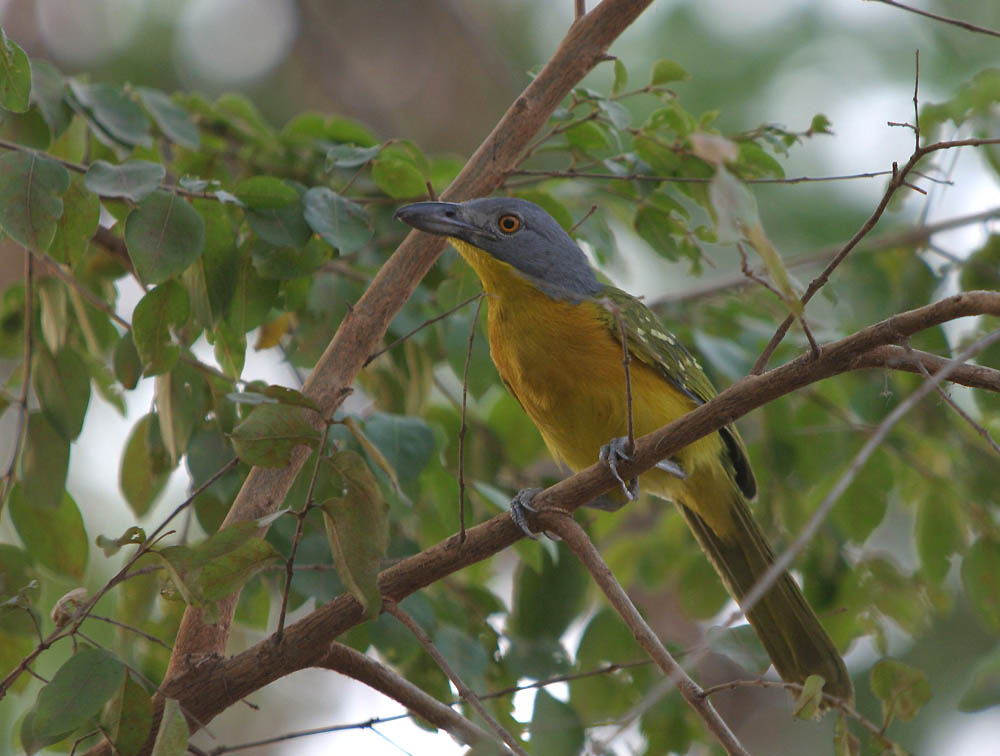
{"x": 565, "y": 367}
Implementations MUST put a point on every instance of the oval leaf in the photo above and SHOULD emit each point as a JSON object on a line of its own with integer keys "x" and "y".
{"x": 163, "y": 235}
{"x": 15, "y": 76}
{"x": 134, "y": 180}
{"x": 30, "y": 198}
{"x": 269, "y": 434}
{"x": 76, "y": 693}
{"x": 55, "y": 537}
{"x": 163, "y": 308}
{"x": 341, "y": 223}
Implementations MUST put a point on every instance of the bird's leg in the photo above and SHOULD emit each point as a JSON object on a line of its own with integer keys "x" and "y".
{"x": 519, "y": 505}
{"x": 612, "y": 454}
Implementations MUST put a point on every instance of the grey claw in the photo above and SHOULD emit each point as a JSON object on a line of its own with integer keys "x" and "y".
{"x": 668, "y": 465}
{"x": 519, "y": 505}
{"x": 610, "y": 454}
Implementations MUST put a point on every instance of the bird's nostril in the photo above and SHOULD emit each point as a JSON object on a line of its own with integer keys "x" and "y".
{"x": 449, "y": 214}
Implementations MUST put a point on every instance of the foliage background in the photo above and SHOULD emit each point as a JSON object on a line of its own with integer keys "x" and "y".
{"x": 402, "y": 68}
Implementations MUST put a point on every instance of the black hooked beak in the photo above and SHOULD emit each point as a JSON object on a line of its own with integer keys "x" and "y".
{"x": 442, "y": 218}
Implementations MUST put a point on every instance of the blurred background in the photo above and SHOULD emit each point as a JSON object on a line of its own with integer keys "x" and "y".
{"x": 441, "y": 72}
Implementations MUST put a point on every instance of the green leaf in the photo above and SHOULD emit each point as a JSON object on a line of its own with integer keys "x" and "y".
{"x": 126, "y": 362}
{"x": 44, "y": 463}
{"x": 981, "y": 578}
{"x": 556, "y": 729}
{"x": 657, "y": 229}
{"x": 145, "y": 466}
{"x": 230, "y": 349}
{"x": 588, "y": 137}
{"x": 47, "y": 93}
{"x": 665, "y": 71}
{"x": 902, "y": 689}
{"x": 164, "y": 235}
{"x": 15, "y": 76}
{"x": 220, "y": 565}
{"x": 810, "y": 699}
{"x": 465, "y": 654}
{"x": 740, "y": 644}
{"x": 341, "y": 223}
{"x": 118, "y": 119}
{"x": 179, "y": 405}
{"x": 983, "y": 690}
{"x": 111, "y": 546}
{"x": 209, "y": 281}
{"x": 621, "y": 78}
{"x": 358, "y": 530}
{"x": 172, "y": 737}
{"x": 170, "y": 117}
{"x": 350, "y": 155}
{"x": 30, "y": 198}
{"x": 62, "y": 384}
{"x": 406, "y": 442}
{"x": 128, "y": 717}
{"x": 288, "y": 262}
{"x": 265, "y": 193}
{"x": 283, "y": 227}
{"x": 134, "y": 180}
{"x": 939, "y": 534}
{"x": 398, "y": 178}
{"x": 273, "y": 395}
{"x": 162, "y": 309}
{"x": 55, "y": 537}
{"x": 270, "y": 433}
{"x": 560, "y": 588}
{"x": 75, "y": 694}
{"x": 78, "y": 223}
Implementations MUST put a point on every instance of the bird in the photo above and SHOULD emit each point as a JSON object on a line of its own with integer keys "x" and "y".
{"x": 555, "y": 334}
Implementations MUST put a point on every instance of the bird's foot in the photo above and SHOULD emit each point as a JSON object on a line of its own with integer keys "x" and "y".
{"x": 614, "y": 453}
{"x": 520, "y": 505}
{"x": 668, "y": 465}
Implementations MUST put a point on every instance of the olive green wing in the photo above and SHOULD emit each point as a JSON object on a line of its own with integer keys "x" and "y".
{"x": 651, "y": 343}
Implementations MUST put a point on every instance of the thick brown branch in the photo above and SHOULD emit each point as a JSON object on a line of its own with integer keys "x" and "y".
{"x": 213, "y": 687}
{"x": 361, "y": 330}
{"x": 357, "y": 666}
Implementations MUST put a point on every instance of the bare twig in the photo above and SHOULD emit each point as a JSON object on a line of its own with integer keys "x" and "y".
{"x": 463, "y": 428}
{"x": 420, "y": 327}
{"x": 785, "y": 559}
{"x": 583, "y": 47}
{"x": 131, "y": 629}
{"x": 943, "y": 19}
{"x": 501, "y": 735}
{"x": 563, "y": 525}
{"x": 954, "y": 405}
{"x": 362, "y": 668}
{"x": 898, "y": 179}
{"x": 208, "y": 691}
{"x": 887, "y": 241}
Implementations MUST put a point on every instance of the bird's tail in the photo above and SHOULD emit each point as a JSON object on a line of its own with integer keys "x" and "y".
{"x": 788, "y": 628}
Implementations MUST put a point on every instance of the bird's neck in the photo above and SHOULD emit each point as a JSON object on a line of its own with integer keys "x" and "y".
{"x": 501, "y": 281}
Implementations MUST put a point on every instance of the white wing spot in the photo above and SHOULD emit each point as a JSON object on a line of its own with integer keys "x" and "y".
{"x": 660, "y": 335}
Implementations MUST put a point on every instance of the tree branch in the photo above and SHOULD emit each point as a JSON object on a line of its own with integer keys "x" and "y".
{"x": 264, "y": 489}
{"x": 562, "y": 524}
{"x": 356, "y": 665}
{"x": 215, "y": 685}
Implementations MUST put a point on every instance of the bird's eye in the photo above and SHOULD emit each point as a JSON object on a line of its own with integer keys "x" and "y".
{"x": 509, "y": 223}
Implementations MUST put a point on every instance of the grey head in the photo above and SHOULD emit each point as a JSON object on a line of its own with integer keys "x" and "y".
{"x": 516, "y": 232}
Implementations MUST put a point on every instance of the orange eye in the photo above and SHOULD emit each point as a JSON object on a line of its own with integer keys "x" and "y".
{"x": 509, "y": 223}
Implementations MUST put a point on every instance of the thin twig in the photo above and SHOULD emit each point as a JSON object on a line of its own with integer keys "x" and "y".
{"x": 462, "y": 429}
{"x": 898, "y": 180}
{"x": 943, "y": 19}
{"x": 540, "y": 173}
{"x": 420, "y": 327}
{"x": 364, "y": 669}
{"x": 501, "y": 735}
{"x": 131, "y": 629}
{"x": 562, "y": 524}
{"x": 591, "y": 211}
{"x": 954, "y": 405}
{"x": 784, "y": 561}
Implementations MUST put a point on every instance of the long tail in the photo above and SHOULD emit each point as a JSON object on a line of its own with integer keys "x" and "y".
{"x": 789, "y": 629}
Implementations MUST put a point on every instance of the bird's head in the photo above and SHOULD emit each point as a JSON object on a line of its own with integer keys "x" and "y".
{"x": 516, "y": 232}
